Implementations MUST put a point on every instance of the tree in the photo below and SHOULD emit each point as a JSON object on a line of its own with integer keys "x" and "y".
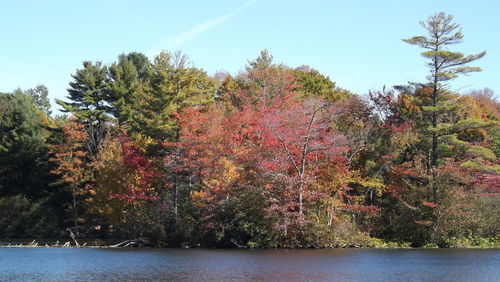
{"x": 283, "y": 151}
{"x": 174, "y": 84}
{"x": 40, "y": 97}
{"x": 88, "y": 103}
{"x": 444, "y": 65}
{"x": 297, "y": 137}
{"x": 267, "y": 81}
{"x": 69, "y": 157}
{"x": 28, "y": 194}
{"x": 122, "y": 198}
{"x": 23, "y": 149}
{"x": 311, "y": 83}
{"x": 125, "y": 90}
{"x": 214, "y": 164}
{"x": 141, "y": 63}
{"x": 432, "y": 206}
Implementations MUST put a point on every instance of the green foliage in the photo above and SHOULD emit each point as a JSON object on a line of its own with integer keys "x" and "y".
{"x": 244, "y": 222}
{"x": 494, "y": 140}
{"x": 89, "y": 103}
{"x": 474, "y": 242}
{"x": 482, "y": 152}
{"x": 265, "y": 81}
{"x": 141, "y": 63}
{"x": 21, "y": 124}
{"x": 444, "y": 65}
{"x": 87, "y": 94}
{"x": 23, "y": 152}
{"x": 263, "y": 61}
{"x": 272, "y": 157}
{"x": 23, "y": 218}
{"x": 478, "y": 165}
{"x": 311, "y": 83}
{"x": 174, "y": 84}
{"x": 125, "y": 90}
{"x": 379, "y": 243}
{"x": 40, "y": 97}
{"x": 441, "y": 33}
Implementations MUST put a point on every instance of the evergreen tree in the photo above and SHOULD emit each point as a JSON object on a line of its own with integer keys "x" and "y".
{"x": 264, "y": 80}
{"x": 23, "y": 150}
{"x": 141, "y": 63}
{"x": 444, "y": 65}
{"x": 124, "y": 91}
{"x": 89, "y": 102}
{"x": 311, "y": 83}
{"x": 40, "y": 96}
{"x": 174, "y": 85}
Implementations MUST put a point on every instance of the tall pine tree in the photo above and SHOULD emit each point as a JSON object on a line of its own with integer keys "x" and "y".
{"x": 89, "y": 102}
{"x": 444, "y": 66}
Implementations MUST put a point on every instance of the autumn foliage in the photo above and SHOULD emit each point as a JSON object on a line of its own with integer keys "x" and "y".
{"x": 271, "y": 157}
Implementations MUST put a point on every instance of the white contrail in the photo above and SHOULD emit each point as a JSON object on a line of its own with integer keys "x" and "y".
{"x": 180, "y": 39}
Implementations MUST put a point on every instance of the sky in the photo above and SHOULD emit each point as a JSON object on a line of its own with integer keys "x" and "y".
{"x": 356, "y": 43}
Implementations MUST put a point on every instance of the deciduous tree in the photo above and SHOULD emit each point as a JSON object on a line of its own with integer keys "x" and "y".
{"x": 69, "y": 157}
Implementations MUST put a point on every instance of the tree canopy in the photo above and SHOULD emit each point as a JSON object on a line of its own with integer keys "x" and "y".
{"x": 273, "y": 156}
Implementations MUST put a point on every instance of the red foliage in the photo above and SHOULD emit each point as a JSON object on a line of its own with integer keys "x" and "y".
{"x": 143, "y": 169}
{"x": 487, "y": 184}
{"x": 429, "y": 204}
{"x": 386, "y": 105}
{"x": 280, "y": 146}
{"x": 70, "y": 154}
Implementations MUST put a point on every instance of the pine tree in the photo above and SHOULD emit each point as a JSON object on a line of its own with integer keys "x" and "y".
{"x": 40, "y": 96}
{"x": 89, "y": 102}
{"x": 444, "y": 65}
{"x": 174, "y": 85}
{"x": 124, "y": 92}
{"x": 23, "y": 150}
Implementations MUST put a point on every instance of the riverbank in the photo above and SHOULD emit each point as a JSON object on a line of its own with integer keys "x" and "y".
{"x": 374, "y": 243}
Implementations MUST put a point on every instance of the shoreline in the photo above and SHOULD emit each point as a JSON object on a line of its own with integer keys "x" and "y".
{"x": 68, "y": 245}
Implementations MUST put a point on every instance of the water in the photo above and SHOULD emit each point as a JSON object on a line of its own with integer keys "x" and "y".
{"x": 56, "y": 264}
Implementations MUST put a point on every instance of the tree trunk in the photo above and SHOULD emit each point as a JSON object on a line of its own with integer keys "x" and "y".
{"x": 176, "y": 197}
{"x": 301, "y": 205}
{"x": 434, "y": 149}
{"x": 75, "y": 210}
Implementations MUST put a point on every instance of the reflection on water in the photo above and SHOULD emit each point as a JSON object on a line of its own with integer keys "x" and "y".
{"x": 49, "y": 264}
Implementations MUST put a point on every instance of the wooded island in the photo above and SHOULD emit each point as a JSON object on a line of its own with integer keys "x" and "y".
{"x": 274, "y": 156}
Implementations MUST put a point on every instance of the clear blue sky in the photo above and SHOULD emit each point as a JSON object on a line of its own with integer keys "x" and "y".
{"x": 356, "y": 43}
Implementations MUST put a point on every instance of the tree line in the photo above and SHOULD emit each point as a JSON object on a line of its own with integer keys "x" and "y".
{"x": 273, "y": 156}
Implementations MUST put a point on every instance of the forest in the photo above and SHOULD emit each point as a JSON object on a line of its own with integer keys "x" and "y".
{"x": 273, "y": 156}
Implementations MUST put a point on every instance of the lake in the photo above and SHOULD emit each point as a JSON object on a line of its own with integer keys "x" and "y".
{"x": 59, "y": 264}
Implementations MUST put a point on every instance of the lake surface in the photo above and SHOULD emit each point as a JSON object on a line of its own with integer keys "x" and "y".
{"x": 57, "y": 264}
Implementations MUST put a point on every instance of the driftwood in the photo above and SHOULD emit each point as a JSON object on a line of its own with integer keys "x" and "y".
{"x": 72, "y": 235}
{"x": 131, "y": 243}
{"x": 137, "y": 243}
{"x": 236, "y": 244}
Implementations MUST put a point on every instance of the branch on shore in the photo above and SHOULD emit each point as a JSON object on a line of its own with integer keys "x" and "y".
{"x": 72, "y": 235}
{"x": 131, "y": 243}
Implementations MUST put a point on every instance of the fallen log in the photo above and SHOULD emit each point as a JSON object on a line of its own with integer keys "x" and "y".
{"x": 72, "y": 235}
{"x": 131, "y": 243}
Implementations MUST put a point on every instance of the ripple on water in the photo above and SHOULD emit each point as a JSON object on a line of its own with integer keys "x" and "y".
{"x": 57, "y": 264}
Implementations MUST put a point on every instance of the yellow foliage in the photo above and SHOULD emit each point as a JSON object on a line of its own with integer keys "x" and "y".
{"x": 401, "y": 139}
{"x": 470, "y": 109}
{"x": 142, "y": 142}
{"x": 226, "y": 172}
{"x": 199, "y": 198}
{"x": 372, "y": 183}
